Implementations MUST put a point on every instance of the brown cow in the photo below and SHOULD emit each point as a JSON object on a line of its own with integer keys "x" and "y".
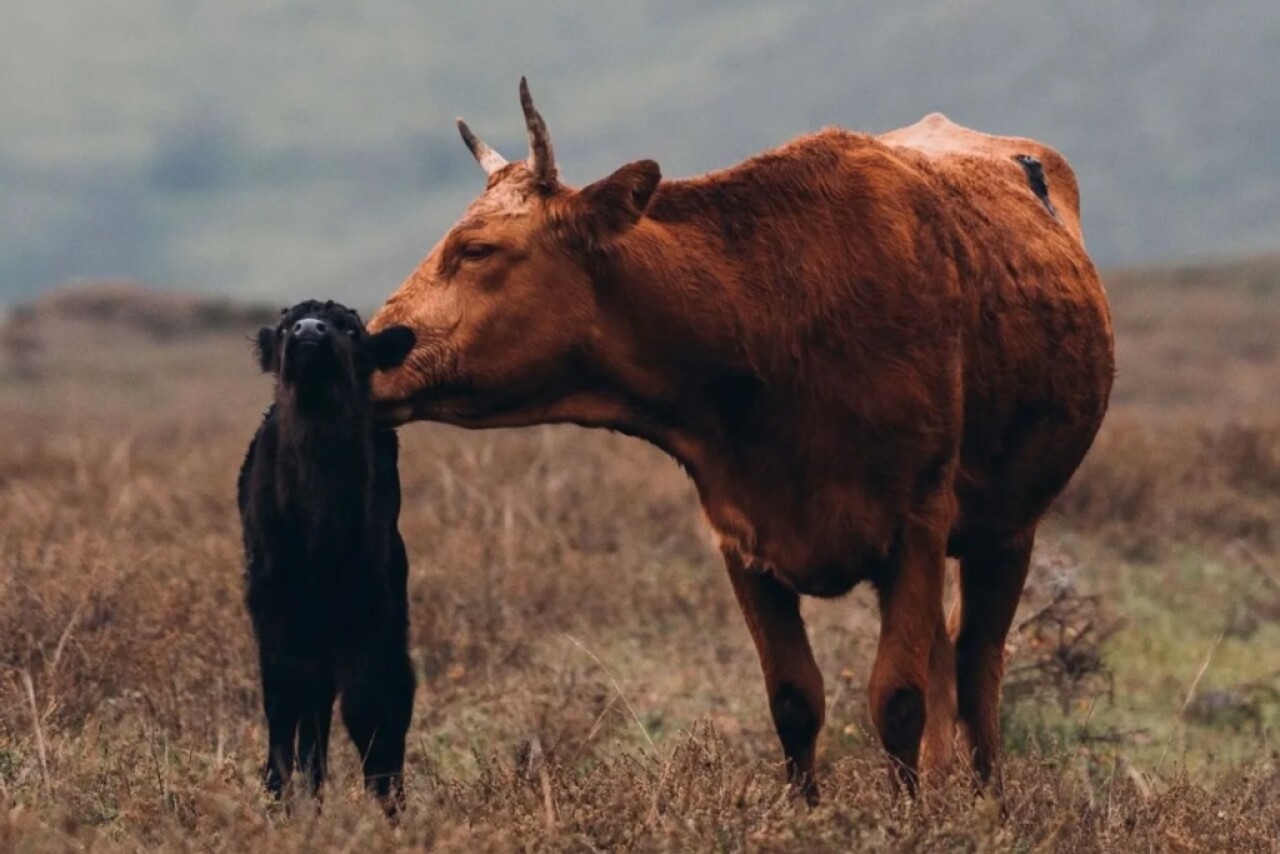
{"x": 868, "y": 352}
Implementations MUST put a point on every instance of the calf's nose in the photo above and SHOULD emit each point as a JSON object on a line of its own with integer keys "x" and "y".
{"x": 309, "y": 329}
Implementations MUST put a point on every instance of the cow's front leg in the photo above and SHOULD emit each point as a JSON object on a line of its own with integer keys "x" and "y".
{"x": 791, "y": 676}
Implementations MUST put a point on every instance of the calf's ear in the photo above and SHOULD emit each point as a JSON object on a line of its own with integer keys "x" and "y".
{"x": 265, "y": 349}
{"x": 612, "y": 205}
{"x": 389, "y": 348}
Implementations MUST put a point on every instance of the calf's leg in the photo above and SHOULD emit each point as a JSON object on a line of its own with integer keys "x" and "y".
{"x": 377, "y": 704}
{"x": 283, "y": 693}
{"x": 314, "y": 719}
{"x": 791, "y": 676}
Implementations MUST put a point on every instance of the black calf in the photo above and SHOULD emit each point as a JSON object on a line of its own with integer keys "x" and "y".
{"x": 319, "y": 497}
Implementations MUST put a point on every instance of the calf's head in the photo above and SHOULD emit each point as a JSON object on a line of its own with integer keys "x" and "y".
{"x": 507, "y": 309}
{"x": 322, "y": 356}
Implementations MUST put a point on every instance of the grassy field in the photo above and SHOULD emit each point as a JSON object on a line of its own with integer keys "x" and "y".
{"x": 586, "y": 681}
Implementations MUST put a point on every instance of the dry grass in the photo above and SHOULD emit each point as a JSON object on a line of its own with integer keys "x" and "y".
{"x": 586, "y": 680}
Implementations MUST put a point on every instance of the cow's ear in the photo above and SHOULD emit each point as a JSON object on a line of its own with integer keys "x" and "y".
{"x": 389, "y": 348}
{"x": 265, "y": 349}
{"x": 612, "y": 205}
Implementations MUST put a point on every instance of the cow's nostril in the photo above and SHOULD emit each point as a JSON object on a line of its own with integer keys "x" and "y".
{"x": 320, "y": 327}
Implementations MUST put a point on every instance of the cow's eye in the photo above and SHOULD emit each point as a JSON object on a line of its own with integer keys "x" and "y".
{"x": 477, "y": 251}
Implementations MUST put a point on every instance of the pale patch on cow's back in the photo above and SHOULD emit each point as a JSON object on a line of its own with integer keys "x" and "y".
{"x": 951, "y": 145}
{"x": 937, "y": 135}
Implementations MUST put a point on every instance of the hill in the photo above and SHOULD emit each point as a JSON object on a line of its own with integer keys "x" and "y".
{"x": 309, "y": 148}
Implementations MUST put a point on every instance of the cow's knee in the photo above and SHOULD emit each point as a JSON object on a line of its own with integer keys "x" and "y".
{"x": 796, "y": 719}
{"x": 900, "y": 718}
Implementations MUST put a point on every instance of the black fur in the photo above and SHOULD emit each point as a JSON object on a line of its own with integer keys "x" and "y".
{"x": 319, "y": 497}
{"x": 1036, "y": 179}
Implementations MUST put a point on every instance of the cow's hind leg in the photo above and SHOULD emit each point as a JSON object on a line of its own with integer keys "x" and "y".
{"x": 992, "y": 573}
{"x": 911, "y": 629}
{"x": 937, "y": 751}
{"x": 377, "y": 704}
{"x": 791, "y": 676}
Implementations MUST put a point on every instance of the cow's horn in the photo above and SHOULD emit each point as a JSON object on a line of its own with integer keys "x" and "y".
{"x": 490, "y": 161}
{"x": 542, "y": 161}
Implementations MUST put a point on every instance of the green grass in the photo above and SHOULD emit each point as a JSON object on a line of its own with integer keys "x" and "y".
{"x": 1174, "y": 634}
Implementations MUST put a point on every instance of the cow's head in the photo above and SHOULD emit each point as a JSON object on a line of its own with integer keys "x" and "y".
{"x": 506, "y": 309}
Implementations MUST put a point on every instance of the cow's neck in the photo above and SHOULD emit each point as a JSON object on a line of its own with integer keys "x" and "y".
{"x": 688, "y": 381}
{"x": 669, "y": 348}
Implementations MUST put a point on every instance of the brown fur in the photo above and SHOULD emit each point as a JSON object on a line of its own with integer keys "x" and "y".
{"x": 869, "y": 353}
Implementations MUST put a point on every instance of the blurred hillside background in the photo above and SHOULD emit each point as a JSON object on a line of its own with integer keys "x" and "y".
{"x": 281, "y": 149}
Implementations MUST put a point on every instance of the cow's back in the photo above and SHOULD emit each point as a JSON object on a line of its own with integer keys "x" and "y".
{"x": 967, "y": 155}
